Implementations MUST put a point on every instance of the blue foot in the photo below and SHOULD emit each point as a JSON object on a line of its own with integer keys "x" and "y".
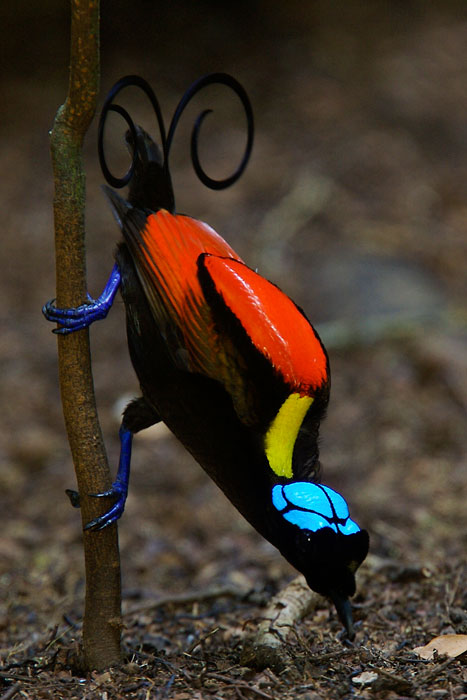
{"x": 115, "y": 512}
{"x": 119, "y": 488}
{"x": 71, "y": 320}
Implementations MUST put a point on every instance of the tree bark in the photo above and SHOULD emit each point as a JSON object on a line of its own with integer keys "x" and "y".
{"x": 102, "y": 615}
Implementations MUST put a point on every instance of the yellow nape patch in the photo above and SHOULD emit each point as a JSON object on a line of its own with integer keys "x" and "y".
{"x": 281, "y": 436}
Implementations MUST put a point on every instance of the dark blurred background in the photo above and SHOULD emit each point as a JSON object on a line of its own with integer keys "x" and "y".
{"x": 354, "y": 203}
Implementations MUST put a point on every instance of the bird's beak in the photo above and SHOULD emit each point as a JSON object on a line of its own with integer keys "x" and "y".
{"x": 344, "y": 610}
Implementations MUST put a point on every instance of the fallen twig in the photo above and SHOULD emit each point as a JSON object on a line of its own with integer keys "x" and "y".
{"x": 16, "y": 676}
{"x": 241, "y": 685}
{"x": 432, "y": 673}
{"x": 201, "y": 640}
{"x": 286, "y": 608}
{"x": 391, "y": 681}
{"x": 189, "y": 597}
{"x": 318, "y": 659}
{"x": 11, "y": 692}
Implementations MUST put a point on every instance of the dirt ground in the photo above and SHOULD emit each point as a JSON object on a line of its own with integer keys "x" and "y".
{"x": 355, "y": 203}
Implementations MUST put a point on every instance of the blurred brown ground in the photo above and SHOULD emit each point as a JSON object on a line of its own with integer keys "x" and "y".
{"x": 355, "y": 203}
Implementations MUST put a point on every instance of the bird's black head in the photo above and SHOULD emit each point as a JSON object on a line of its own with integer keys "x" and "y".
{"x": 328, "y": 561}
{"x": 319, "y": 538}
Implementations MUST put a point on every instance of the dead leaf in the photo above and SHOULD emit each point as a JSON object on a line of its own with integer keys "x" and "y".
{"x": 451, "y": 645}
{"x": 365, "y": 678}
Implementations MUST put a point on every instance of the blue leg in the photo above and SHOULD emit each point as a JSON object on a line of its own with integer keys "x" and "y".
{"x": 138, "y": 415}
{"x": 75, "y": 319}
{"x": 119, "y": 488}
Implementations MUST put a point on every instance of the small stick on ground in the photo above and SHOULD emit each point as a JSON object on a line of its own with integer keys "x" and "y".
{"x": 188, "y": 597}
{"x": 11, "y": 692}
{"x": 286, "y": 608}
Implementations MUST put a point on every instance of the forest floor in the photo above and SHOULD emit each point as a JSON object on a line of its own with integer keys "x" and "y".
{"x": 355, "y": 203}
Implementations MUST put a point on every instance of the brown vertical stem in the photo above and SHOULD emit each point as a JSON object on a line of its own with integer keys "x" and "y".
{"x": 102, "y": 616}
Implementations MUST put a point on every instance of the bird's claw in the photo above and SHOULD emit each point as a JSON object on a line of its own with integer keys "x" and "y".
{"x": 115, "y": 512}
{"x": 75, "y": 319}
